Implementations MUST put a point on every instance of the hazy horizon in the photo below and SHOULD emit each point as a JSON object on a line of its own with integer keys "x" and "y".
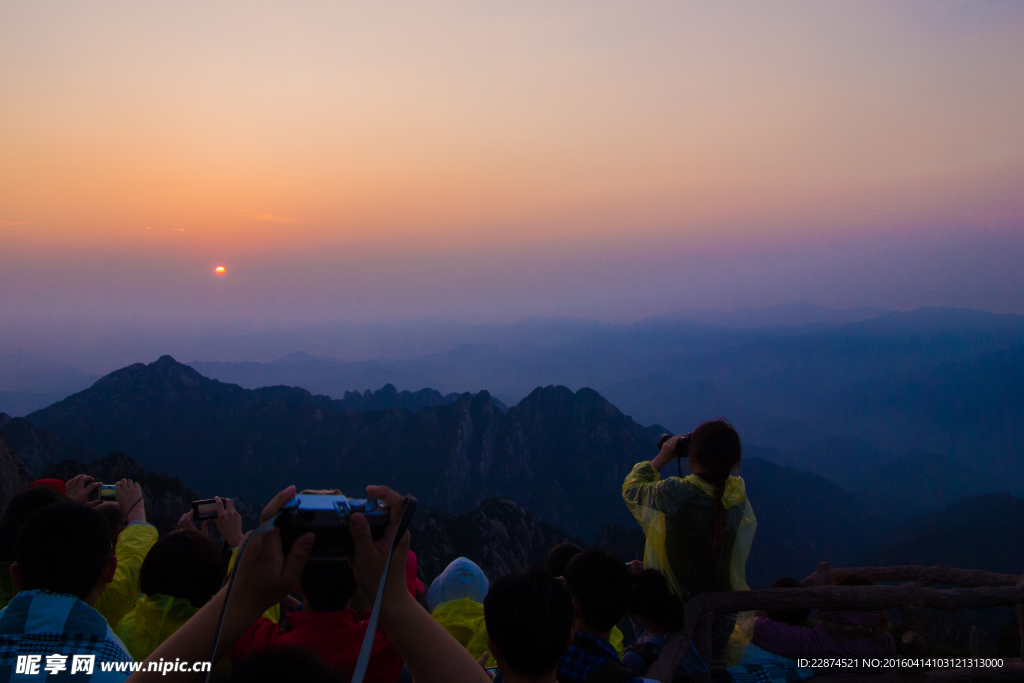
{"x": 486, "y": 163}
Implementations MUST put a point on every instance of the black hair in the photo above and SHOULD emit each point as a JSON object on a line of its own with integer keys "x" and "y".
{"x": 793, "y": 617}
{"x": 529, "y": 618}
{"x": 284, "y": 665}
{"x": 650, "y": 597}
{"x": 21, "y": 505}
{"x": 327, "y": 585}
{"x": 715, "y": 451}
{"x": 63, "y": 548}
{"x": 600, "y": 582}
{"x": 559, "y": 556}
{"x": 183, "y": 564}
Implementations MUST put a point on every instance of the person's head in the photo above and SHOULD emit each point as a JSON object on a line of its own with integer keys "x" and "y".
{"x": 19, "y": 508}
{"x": 183, "y": 564}
{"x": 599, "y": 585}
{"x": 559, "y": 556}
{"x": 794, "y": 617}
{"x": 284, "y": 665}
{"x": 460, "y": 579}
{"x": 327, "y": 586}
{"x": 652, "y": 603}
{"x": 529, "y": 617}
{"x": 715, "y": 450}
{"x": 65, "y": 548}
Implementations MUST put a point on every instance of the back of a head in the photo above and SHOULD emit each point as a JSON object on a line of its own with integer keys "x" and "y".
{"x": 529, "y": 618}
{"x": 327, "y": 585}
{"x": 600, "y": 582}
{"x": 715, "y": 450}
{"x": 183, "y": 564}
{"x": 19, "y": 508}
{"x": 462, "y": 578}
{"x": 796, "y": 617}
{"x": 284, "y": 665}
{"x": 63, "y": 548}
{"x": 650, "y": 597}
{"x": 559, "y": 556}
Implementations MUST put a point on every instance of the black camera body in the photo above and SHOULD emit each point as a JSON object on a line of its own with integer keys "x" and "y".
{"x": 327, "y": 517}
{"x": 682, "y": 448}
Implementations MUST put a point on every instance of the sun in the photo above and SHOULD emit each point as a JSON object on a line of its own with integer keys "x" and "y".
{"x": 219, "y": 270}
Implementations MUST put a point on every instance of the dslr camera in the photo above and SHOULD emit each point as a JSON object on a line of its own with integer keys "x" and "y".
{"x": 326, "y": 515}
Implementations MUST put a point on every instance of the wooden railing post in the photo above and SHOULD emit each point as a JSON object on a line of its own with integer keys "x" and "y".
{"x": 702, "y": 643}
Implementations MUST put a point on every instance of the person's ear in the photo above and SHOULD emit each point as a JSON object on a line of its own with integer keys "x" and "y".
{"x": 16, "y": 576}
{"x": 109, "y": 570}
{"x": 496, "y": 653}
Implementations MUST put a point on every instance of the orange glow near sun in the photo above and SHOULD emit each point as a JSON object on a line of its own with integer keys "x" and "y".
{"x": 219, "y": 270}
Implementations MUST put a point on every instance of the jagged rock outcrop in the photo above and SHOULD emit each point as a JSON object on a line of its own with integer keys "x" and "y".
{"x": 12, "y": 474}
{"x": 499, "y": 536}
{"x": 37, "y": 448}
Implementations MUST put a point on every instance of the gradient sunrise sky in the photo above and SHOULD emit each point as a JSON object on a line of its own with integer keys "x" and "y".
{"x": 489, "y": 161}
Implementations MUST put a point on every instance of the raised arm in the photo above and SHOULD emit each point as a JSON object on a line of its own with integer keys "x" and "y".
{"x": 265, "y": 576}
{"x": 430, "y": 652}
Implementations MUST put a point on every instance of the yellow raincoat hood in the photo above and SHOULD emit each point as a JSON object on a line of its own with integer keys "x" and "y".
{"x": 153, "y": 619}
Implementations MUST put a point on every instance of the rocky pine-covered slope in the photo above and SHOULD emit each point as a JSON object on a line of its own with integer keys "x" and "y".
{"x": 560, "y": 454}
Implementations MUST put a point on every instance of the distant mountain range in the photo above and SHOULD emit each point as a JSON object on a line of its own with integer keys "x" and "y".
{"x": 948, "y": 381}
{"x": 559, "y": 454}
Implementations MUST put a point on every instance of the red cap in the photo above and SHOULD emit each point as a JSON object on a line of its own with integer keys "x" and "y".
{"x": 411, "y": 569}
{"x": 55, "y": 484}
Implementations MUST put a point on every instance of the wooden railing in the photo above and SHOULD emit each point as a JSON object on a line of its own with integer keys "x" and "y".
{"x": 971, "y": 589}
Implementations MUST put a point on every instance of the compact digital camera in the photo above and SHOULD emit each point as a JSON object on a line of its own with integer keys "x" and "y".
{"x": 204, "y": 509}
{"x": 327, "y": 517}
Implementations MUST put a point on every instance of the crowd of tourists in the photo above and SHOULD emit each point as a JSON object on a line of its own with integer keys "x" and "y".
{"x": 89, "y": 589}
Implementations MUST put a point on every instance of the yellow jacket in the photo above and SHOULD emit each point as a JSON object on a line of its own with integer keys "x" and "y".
{"x": 677, "y": 516}
{"x": 464, "y": 619}
{"x": 120, "y": 594}
{"x": 151, "y": 621}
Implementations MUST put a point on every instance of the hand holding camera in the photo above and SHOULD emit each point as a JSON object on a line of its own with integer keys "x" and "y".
{"x": 671, "y": 448}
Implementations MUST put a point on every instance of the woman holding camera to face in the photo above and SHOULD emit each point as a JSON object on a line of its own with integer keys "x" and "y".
{"x": 699, "y": 528}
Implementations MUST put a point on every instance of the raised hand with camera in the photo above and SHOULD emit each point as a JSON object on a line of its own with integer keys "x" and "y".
{"x": 129, "y": 498}
{"x": 430, "y": 652}
{"x": 263, "y": 578}
{"x": 80, "y": 487}
{"x": 228, "y": 521}
{"x": 672, "y": 448}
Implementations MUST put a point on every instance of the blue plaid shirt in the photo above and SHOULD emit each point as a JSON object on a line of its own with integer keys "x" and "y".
{"x": 578, "y": 663}
{"x": 44, "y": 624}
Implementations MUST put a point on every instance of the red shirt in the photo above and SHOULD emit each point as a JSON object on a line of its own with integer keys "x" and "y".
{"x": 334, "y": 636}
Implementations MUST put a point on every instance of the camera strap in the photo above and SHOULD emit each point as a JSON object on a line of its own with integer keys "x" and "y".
{"x": 371, "y": 627}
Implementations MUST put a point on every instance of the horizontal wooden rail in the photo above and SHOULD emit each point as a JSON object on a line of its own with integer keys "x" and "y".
{"x": 926, "y": 576}
{"x": 863, "y": 598}
{"x": 972, "y": 589}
